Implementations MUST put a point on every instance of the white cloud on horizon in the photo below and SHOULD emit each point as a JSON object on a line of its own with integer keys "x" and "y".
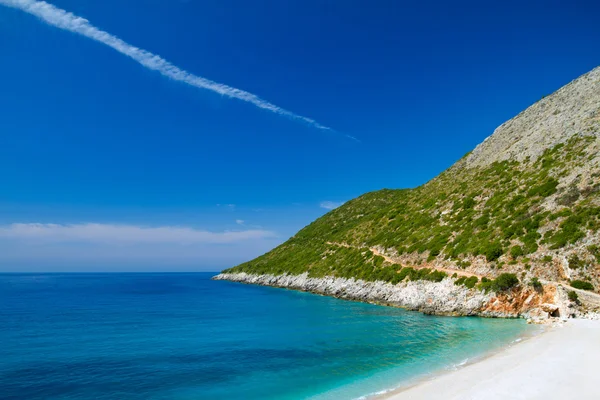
{"x": 127, "y": 234}
{"x": 118, "y": 248}
{"x": 70, "y": 22}
{"x": 330, "y": 205}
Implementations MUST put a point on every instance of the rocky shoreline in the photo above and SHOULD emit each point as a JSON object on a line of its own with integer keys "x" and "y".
{"x": 436, "y": 298}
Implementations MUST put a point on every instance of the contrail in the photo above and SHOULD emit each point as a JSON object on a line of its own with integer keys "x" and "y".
{"x": 68, "y": 21}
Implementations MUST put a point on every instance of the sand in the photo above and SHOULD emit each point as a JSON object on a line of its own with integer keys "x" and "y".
{"x": 562, "y": 363}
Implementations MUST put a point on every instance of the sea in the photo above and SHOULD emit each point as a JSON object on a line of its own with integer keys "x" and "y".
{"x": 186, "y": 337}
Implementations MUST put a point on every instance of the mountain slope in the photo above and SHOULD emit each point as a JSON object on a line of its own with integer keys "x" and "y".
{"x": 520, "y": 212}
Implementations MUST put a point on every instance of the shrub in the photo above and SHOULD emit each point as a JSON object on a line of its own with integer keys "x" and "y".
{"x": 435, "y": 276}
{"x": 584, "y": 285}
{"x": 485, "y": 285}
{"x": 482, "y": 221}
{"x": 575, "y": 262}
{"x": 530, "y": 242}
{"x": 460, "y": 280}
{"x": 505, "y": 282}
{"x": 545, "y": 189}
{"x": 492, "y": 251}
{"x": 562, "y": 213}
{"x": 468, "y": 203}
{"x": 535, "y": 283}
{"x": 516, "y": 251}
{"x": 569, "y": 232}
{"x": 573, "y": 296}
{"x": 406, "y": 271}
{"x": 471, "y": 281}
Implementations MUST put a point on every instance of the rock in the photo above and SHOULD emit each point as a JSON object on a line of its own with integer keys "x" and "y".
{"x": 537, "y": 315}
{"x": 439, "y": 298}
{"x": 552, "y": 120}
{"x": 549, "y": 308}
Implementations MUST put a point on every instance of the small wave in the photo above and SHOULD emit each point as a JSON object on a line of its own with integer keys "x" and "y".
{"x": 463, "y": 362}
{"x": 454, "y": 367}
{"x": 376, "y": 394}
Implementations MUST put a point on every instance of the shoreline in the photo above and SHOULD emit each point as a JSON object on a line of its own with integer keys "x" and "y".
{"x": 442, "y": 298}
{"x": 558, "y": 362}
{"x": 436, "y": 374}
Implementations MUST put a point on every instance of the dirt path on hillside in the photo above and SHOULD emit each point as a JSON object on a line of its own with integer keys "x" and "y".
{"x": 590, "y": 298}
{"x": 391, "y": 260}
{"x": 449, "y": 271}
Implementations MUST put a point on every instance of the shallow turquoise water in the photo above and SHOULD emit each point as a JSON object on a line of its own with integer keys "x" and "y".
{"x": 183, "y": 336}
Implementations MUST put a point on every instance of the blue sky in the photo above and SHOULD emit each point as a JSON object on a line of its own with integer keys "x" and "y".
{"x": 108, "y": 165}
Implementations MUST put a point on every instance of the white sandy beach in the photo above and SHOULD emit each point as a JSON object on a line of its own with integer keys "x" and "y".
{"x": 561, "y": 363}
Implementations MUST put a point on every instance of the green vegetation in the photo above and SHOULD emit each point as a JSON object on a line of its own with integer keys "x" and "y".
{"x": 573, "y": 296}
{"x": 584, "y": 285}
{"x": 536, "y": 284}
{"x": 575, "y": 262}
{"x": 572, "y": 228}
{"x": 502, "y": 283}
{"x": 545, "y": 189}
{"x": 516, "y": 251}
{"x": 505, "y": 282}
{"x": 595, "y": 251}
{"x": 496, "y": 212}
{"x": 469, "y": 282}
{"x": 492, "y": 251}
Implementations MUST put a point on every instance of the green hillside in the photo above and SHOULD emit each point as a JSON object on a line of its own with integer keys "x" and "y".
{"x": 536, "y": 216}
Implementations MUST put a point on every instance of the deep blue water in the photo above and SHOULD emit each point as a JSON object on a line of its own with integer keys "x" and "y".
{"x": 183, "y": 336}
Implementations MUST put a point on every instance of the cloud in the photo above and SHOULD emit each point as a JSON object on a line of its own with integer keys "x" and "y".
{"x": 70, "y": 22}
{"x": 330, "y": 205}
{"x": 127, "y": 234}
{"x": 239, "y": 221}
{"x": 88, "y": 247}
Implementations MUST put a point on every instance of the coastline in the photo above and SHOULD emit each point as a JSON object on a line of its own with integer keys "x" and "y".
{"x": 557, "y": 363}
{"x": 436, "y": 298}
{"x": 433, "y": 375}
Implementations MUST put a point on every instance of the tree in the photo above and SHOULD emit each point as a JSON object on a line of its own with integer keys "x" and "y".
{"x": 505, "y": 282}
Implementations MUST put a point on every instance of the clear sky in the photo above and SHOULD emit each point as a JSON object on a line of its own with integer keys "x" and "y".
{"x": 111, "y": 165}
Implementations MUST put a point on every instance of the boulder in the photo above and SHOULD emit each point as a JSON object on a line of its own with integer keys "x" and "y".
{"x": 549, "y": 308}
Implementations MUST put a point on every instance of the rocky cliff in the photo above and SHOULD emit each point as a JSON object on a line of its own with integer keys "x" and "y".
{"x": 571, "y": 110}
{"x": 512, "y": 229}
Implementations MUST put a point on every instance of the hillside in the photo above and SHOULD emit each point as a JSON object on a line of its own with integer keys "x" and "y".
{"x": 518, "y": 216}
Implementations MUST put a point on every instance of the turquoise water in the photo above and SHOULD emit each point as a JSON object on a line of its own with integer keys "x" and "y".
{"x": 183, "y": 336}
